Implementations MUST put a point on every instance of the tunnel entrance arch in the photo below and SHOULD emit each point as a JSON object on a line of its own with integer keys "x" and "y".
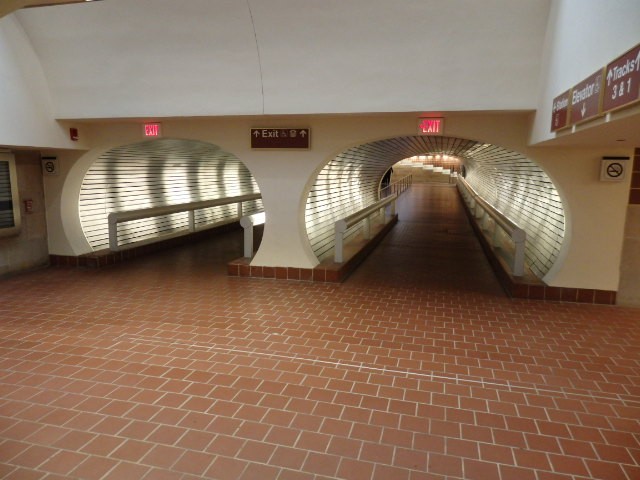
{"x": 160, "y": 173}
{"x": 510, "y": 181}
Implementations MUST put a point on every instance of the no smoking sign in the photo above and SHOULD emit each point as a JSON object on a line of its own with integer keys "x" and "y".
{"x": 613, "y": 169}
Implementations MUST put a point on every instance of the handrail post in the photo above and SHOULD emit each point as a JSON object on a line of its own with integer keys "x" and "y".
{"x": 494, "y": 238}
{"x": 338, "y": 255}
{"x": 476, "y": 207}
{"x": 239, "y": 209}
{"x": 248, "y": 241}
{"x": 519, "y": 238}
{"x": 247, "y": 223}
{"x": 367, "y": 227}
{"x": 113, "y": 233}
{"x": 192, "y": 220}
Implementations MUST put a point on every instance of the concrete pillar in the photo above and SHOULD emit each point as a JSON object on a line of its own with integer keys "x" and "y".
{"x": 283, "y": 178}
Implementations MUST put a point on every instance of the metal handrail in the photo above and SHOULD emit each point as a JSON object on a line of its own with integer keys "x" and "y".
{"x": 398, "y": 187}
{"x": 342, "y": 225}
{"x": 114, "y": 218}
{"x": 517, "y": 234}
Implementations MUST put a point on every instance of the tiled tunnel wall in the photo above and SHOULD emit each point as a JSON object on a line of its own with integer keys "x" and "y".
{"x": 524, "y": 193}
{"x": 508, "y": 180}
{"x": 158, "y": 173}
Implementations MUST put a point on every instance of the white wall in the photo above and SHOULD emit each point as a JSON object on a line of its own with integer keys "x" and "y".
{"x": 26, "y": 117}
{"x": 582, "y": 37}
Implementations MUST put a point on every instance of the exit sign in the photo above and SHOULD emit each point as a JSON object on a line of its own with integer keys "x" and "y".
{"x": 292, "y": 137}
{"x": 152, "y": 130}
{"x": 431, "y": 126}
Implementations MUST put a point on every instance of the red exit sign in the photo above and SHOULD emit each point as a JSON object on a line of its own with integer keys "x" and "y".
{"x": 431, "y": 126}
{"x": 152, "y": 130}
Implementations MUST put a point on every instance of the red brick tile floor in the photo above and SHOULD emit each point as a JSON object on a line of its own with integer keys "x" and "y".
{"x": 417, "y": 367}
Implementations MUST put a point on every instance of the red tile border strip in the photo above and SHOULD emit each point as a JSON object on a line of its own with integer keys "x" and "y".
{"x": 325, "y": 272}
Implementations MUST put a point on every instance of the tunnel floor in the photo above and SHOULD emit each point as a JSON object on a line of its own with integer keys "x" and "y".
{"x": 432, "y": 247}
{"x": 417, "y": 367}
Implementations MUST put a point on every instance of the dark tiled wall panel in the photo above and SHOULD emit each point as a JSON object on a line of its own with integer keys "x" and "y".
{"x": 634, "y": 193}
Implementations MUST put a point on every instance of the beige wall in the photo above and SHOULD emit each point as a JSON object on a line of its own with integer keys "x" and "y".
{"x": 28, "y": 249}
{"x": 595, "y": 210}
{"x": 595, "y": 213}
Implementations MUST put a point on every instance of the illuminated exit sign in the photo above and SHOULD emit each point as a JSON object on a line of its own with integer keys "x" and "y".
{"x": 431, "y": 126}
{"x": 152, "y": 130}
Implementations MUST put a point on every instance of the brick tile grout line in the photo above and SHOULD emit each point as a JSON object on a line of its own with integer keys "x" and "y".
{"x": 458, "y": 379}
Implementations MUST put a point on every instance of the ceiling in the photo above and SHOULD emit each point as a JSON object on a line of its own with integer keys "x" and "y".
{"x": 163, "y": 58}
{"x": 123, "y": 58}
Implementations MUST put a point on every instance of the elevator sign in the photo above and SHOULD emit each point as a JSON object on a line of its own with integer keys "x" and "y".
{"x": 585, "y": 99}
{"x": 431, "y": 126}
{"x": 280, "y": 137}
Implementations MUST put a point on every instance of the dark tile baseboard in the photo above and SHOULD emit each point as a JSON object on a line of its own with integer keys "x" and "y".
{"x": 327, "y": 271}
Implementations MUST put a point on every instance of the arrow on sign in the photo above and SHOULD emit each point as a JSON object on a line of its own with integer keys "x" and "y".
{"x": 609, "y": 75}
{"x": 303, "y": 133}
{"x": 256, "y": 134}
{"x": 584, "y": 109}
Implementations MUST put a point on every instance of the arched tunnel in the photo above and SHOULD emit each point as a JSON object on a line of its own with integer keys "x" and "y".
{"x": 160, "y": 173}
{"x": 508, "y": 180}
{"x": 173, "y": 171}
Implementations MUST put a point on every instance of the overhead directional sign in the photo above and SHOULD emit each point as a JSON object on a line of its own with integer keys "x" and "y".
{"x": 615, "y": 86}
{"x": 585, "y": 99}
{"x": 560, "y": 111}
{"x": 280, "y": 137}
{"x": 622, "y": 80}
